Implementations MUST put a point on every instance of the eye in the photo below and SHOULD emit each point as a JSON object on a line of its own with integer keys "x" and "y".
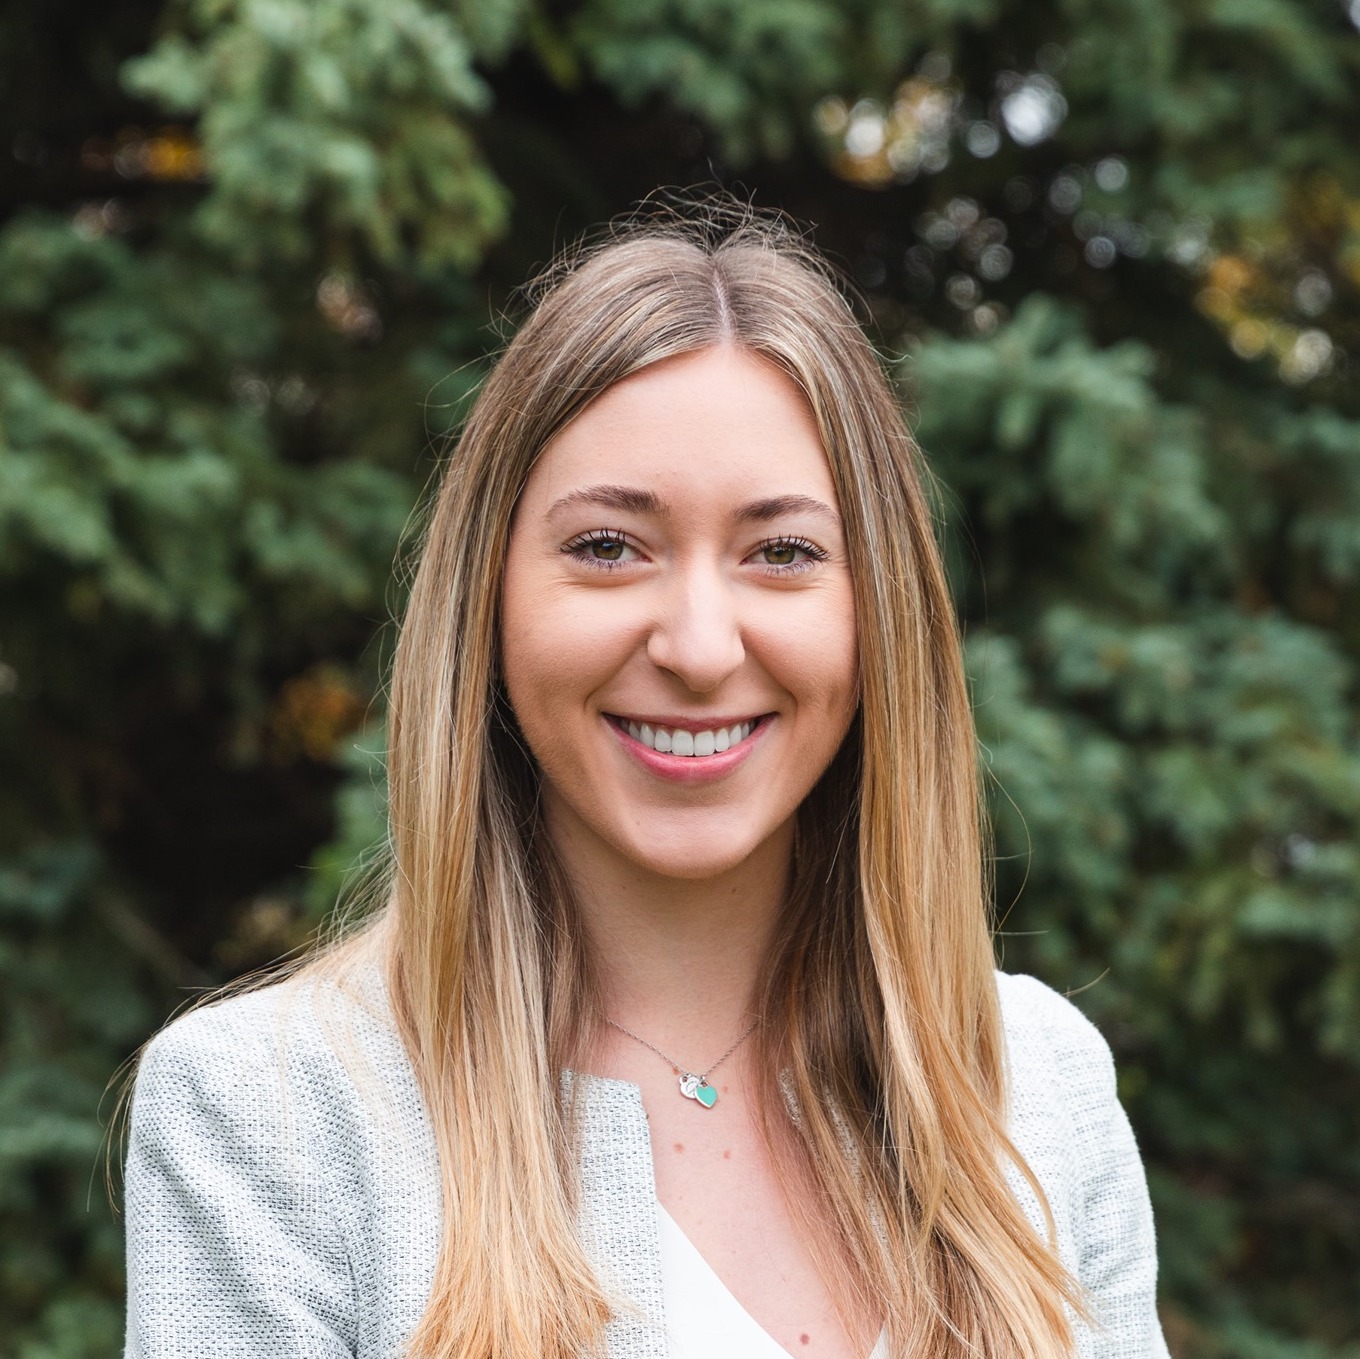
{"x": 786, "y": 555}
{"x": 601, "y": 547}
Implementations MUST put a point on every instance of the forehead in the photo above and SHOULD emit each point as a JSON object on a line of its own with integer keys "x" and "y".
{"x": 720, "y": 421}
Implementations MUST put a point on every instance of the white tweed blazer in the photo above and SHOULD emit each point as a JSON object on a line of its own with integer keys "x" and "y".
{"x": 282, "y": 1197}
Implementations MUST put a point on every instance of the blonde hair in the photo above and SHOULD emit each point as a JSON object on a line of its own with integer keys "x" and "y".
{"x": 883, "y": 1030}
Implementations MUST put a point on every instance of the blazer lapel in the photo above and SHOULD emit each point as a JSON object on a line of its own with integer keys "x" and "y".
{"x": 617, "y": 1214}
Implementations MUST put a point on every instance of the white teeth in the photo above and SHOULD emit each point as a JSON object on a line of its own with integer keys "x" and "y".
{"x": 689, "y": 743}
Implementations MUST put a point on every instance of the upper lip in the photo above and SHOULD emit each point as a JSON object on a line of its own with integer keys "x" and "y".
{"x": 692, "y": 724}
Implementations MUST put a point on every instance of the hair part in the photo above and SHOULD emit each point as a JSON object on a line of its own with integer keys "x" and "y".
{"x": 882, "y": 1062}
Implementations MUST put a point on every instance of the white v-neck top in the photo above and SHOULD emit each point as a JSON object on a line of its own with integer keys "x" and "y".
{"x": 703, "y": 1319}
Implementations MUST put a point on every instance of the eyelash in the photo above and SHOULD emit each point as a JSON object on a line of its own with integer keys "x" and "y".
{"x": 579, "y": 549}
{"x": 812, "y": 554}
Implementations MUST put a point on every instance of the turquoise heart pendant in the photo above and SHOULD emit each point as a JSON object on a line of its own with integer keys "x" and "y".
{"x": 698, "y": 1089}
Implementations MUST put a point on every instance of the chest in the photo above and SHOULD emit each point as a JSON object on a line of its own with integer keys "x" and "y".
{"x": 713, "y": 1175}
{"x": 734, "y": 1245}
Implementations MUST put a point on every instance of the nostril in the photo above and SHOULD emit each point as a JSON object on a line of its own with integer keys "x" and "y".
{"x": 701, "y": 657}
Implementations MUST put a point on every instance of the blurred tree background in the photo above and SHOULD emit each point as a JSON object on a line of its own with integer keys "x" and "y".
{"x": 252, "y": 253}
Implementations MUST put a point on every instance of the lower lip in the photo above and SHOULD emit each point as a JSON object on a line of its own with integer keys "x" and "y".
{"x": 690, "y": 768}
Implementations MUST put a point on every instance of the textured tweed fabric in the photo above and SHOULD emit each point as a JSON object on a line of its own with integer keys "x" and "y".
{"x": 283, "y": 1202}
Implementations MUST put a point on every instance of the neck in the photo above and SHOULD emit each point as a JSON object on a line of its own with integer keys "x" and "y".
{"x": 677, "y": 960}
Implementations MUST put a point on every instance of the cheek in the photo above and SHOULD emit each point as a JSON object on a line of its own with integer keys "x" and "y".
{"x": 526, "y": 645}
{"x": 838, "y": 689}
{"x": 818, "y": 664}
{"x": 554, "y": 656}
{"x": 824, "y": 658}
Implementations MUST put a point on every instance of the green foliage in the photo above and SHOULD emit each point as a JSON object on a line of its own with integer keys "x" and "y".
{"x": 65, "y": 1014}
{"x": 355, "y": 851}
{"x": 1039, "y": 423}
{"x": 334, "y": 116}
{"x": 249, "y": 253}
{"x": 742, "y": 69}
{"x": 1177, "y": 774}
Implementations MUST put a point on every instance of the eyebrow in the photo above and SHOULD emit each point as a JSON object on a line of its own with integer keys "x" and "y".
{"x": 635, "y": 500}
{"x": 776, "y": 506}
{"x": 628, "y": 498}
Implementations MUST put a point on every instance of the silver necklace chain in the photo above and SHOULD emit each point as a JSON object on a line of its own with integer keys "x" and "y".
{"x": 683, "y": 1071}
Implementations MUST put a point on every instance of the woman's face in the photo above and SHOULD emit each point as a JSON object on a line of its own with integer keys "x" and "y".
{"x": 678, "y": 624}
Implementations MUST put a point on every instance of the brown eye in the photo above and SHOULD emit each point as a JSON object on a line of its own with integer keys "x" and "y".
{"x": 788, "y": 556}
{"x": 601, "y": 547}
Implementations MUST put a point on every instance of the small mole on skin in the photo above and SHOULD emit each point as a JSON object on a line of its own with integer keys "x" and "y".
{"x": 679, "y": 1146}
{"x": 804, "y": 1339}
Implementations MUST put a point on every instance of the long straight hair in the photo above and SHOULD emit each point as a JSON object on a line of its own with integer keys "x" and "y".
{"x": 883, "y": 1070}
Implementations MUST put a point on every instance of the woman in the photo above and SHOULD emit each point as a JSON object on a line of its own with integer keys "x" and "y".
{"x": 679, "y": 1033}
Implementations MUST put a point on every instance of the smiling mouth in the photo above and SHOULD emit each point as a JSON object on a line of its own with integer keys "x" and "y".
{"x": 681, "y": 741}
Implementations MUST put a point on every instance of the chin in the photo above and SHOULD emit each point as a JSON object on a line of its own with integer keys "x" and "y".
{"x": 688, "y": 869}
{"x": 676, "y": 854}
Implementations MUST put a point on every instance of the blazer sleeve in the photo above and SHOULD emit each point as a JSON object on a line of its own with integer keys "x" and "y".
{"x": 1113, "y": 1238}
{"x": 234, "y": 1251}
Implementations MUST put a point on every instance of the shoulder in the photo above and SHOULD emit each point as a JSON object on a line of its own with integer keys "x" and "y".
{"x": 275, "y": 1065}
{"x": 281, "y": 1184}
{"x": 237, "y": 1045}
{"x": 1049, "y": 1040}
{"x": 271, "y": 1024}
{"x": 233, "y": 1046}
{"x": 234, "y": 1034}
{"x": 1031, "y": 1009}
{"x": 1065, "y": 1118}
{"x": 1067, "y": 1123}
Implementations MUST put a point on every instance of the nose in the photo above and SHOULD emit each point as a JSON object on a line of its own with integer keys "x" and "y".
{"x": 697, "y": 633}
